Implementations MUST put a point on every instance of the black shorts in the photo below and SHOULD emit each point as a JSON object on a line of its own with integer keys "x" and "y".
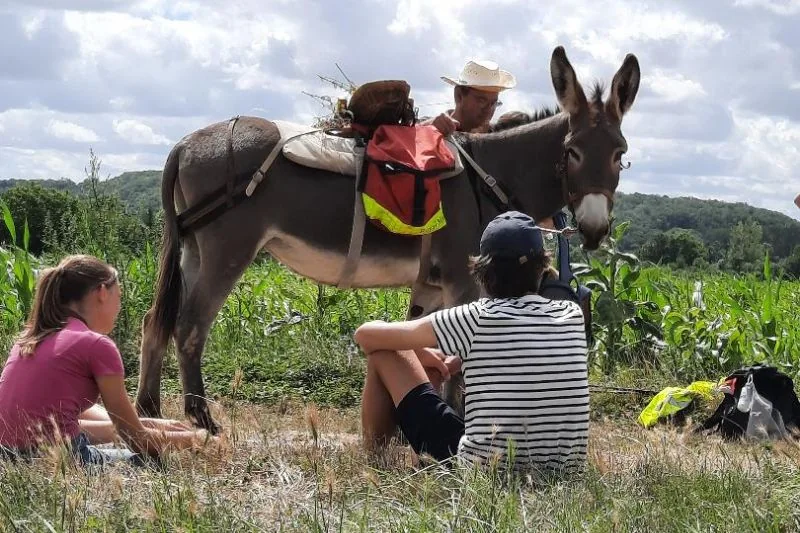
{"x": 428, "y": 423}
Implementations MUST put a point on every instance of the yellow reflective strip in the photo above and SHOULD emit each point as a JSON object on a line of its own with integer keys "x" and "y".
{"x": 376, "y": 211}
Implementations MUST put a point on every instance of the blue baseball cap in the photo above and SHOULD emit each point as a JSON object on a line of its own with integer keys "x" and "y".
{"x": 512, "y": 235}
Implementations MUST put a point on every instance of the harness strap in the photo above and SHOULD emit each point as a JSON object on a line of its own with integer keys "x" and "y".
{"x": 564, "y": 269}
{"x": 259, "y": 174}
{"x": 485, "y": 176}
{"x": 359, "y": 223}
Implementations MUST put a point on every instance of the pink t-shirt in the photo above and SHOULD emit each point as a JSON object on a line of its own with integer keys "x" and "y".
{"x": 58, "y": 382}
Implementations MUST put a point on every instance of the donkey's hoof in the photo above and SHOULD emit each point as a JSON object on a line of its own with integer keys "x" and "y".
{"x": 203, "y": 420}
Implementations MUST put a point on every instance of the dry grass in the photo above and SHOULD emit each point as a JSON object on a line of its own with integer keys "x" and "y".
{"x": 299, "y": 468}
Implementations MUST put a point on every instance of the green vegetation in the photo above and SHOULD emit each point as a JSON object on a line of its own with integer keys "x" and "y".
{"x": 679, "y": 232}
{"x": 281, "y": 342}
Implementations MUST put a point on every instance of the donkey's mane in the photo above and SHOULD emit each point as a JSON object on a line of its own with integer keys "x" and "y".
{"x": 597, "y": 93}
{"x": 515, "y": 119}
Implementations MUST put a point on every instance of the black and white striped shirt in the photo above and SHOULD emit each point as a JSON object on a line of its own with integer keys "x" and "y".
{"x": 525, "y": 374}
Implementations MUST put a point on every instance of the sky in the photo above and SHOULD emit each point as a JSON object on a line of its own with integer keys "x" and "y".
{"x": 717, "y": 114}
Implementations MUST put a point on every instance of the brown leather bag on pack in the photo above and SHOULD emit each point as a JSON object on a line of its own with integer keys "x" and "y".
{"x": 382, "y": 102}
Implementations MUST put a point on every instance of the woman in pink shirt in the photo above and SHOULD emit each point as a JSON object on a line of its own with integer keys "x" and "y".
{"x": 63, "y": 362}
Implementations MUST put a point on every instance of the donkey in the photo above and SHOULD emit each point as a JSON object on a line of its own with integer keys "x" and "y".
{"x": 303, "y": 218}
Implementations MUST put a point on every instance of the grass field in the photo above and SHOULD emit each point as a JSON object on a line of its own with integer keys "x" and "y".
{"x": 301, "y": 469}
{"x": 285, "y": 379}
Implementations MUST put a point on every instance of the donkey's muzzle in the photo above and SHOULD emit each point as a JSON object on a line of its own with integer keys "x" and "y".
{"x": 592, "y": 236}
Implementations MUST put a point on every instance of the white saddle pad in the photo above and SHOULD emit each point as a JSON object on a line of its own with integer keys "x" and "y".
{"x": 316, "y": 149}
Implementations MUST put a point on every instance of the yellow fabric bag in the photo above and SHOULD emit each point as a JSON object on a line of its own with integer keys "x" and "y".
{"x": 672, "y": 399}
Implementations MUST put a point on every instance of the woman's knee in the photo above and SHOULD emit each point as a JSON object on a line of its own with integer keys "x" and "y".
{"x": 379, "y": 358}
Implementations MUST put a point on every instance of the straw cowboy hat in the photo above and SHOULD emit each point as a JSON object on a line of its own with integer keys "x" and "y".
{"x": 483, "y": 75}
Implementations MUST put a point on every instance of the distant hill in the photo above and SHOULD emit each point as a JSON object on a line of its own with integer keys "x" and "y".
{"x": 138, "y": 190}
{"x": 649, "y": 214}
{"x": 711, "y": 219}
{"x": 61, "y": 185}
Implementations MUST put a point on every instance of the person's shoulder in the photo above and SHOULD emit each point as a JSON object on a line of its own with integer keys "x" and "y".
{"x": 563, "y": 309}
{"x": 560, "y": 308}
{"x": 86, "y": 338}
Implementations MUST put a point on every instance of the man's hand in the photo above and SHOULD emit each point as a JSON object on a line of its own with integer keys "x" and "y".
{"x": 445, "y": 124}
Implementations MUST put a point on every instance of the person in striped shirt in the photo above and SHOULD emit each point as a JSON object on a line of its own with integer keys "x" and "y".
{"x": 523, "y": 358}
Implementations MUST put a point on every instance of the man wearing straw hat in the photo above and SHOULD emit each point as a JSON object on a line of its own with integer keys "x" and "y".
{"x": 476, "y": 92}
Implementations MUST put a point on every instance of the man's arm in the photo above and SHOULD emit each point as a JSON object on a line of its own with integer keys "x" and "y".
{"x": 410, "y": 335}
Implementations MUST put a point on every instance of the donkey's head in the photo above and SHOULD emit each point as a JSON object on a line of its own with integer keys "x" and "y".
{"x": 594, "y": 146}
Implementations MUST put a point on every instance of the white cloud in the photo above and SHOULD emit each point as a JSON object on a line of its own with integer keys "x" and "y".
{"x": 138, "y": 133}
{"x": 69, "y": 131}
{"x": 769, "y": 150}
{"x": 673, "y": 87}
{"x": 715, "y": 116}
{"x": 779, "y": 7}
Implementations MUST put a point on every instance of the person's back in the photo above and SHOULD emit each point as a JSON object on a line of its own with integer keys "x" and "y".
{"x": 43, "y": 394}
{"x": 523, "y": 359}
{"x": 525, "y": 378}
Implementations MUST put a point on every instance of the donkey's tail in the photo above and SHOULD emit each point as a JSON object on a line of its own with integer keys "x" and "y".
{"x": 163, "y": 316}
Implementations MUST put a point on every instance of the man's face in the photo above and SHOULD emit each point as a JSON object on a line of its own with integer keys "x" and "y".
{"x": 476, "y": 107}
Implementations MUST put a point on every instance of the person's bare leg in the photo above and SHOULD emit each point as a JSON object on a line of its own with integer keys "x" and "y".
{"x": 96, "y": 413}
{"x": 390, "y": 376}
{"x": 98, "y": 431}
{"x": 377, "y": 411}
{"x": 165, "y": 424}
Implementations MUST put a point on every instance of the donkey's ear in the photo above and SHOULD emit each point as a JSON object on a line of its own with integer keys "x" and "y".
{"x": 569, "y": 92}
{"x": 623, "y": 88}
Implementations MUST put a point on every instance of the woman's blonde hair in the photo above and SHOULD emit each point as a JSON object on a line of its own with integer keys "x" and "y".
{"x": 57, "y": 287}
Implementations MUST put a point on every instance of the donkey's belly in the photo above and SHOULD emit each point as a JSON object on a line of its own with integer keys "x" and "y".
{"x": 326, "y": 266}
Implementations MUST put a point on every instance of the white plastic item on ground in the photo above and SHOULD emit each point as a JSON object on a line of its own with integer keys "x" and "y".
{"x": 765, "y": 422}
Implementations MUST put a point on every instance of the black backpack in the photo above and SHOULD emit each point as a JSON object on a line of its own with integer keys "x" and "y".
{"x": 771, "y": 384}
{"x": 562, "y": 289}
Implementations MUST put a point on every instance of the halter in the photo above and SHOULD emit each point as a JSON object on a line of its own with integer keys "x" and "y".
{"x": 573, "y": 197}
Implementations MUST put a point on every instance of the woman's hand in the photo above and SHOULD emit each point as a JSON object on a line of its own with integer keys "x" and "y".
{"x": 453, "y": 363}
{"x": 433, "y": 360}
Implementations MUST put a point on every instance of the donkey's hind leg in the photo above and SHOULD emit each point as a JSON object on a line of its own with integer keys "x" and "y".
{"x": 212, "y": 285}
{"x": 153, "y": 350}
{"x": 148, "y": 397}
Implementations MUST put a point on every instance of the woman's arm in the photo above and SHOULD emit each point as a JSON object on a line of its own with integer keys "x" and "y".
{"x": 130, "y": 428}
{"x": 409, "y": 335}
{"x": 97, "y": 425}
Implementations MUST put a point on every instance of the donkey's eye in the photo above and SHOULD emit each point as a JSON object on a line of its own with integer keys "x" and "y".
{"x": 574, "y": 154}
